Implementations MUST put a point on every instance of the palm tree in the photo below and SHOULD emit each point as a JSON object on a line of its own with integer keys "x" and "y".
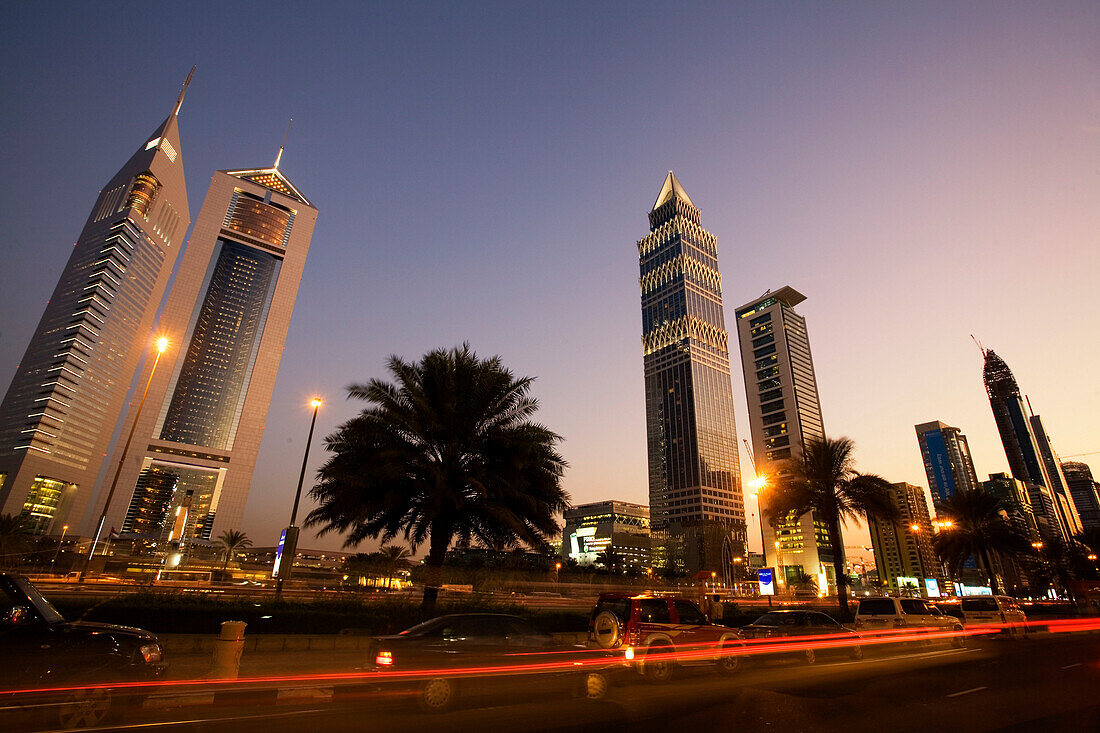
{"x": 15, "y": 540}
{"x": 393, "y": 557}
{"x": 980, "y": 529}
{"x": 232, "y": 541}
{"x": 445, "y": 452}
{"x": 825, "y": 481}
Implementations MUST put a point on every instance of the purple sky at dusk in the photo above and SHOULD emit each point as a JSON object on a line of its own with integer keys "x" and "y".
{"x": 921, "y": 172}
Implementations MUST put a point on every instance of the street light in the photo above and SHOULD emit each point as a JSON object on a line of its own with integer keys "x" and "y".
{"x": 64, "y": 531}
{"x": 162, "y": 346}
{"x": 290, "y": 538}
{"x": 920, "y": 558}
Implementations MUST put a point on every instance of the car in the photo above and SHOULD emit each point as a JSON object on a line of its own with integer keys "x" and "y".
{"x": 657, "y": 634}
{"x": 39, "y": 649}
{"x": 1002, "y": 612}
{"x": 478, "y": 655}
{"x": 890, "y": 614}
{"x": 813, "y": 627}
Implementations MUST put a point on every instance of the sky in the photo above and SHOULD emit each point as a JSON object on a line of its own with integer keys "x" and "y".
{"x": 922, "y": 172}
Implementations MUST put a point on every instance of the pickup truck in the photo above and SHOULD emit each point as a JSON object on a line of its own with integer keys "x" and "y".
{"x": 40, "y": 652}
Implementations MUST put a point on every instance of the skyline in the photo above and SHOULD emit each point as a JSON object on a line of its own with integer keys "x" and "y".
{"x": 471, "y": 190}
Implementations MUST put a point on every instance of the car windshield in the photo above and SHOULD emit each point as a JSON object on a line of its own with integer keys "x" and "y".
{"x": 45, "y": 608}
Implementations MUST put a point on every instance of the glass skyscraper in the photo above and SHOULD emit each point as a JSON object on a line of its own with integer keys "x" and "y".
{"x": 227, "y": 315}
{"x": 59, "y": 414}
{"x": 947, "y": 462}
{"x": 696, "y": 509}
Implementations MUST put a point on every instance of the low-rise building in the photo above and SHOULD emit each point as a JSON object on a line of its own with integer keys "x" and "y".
{"x": 593, "y": 530}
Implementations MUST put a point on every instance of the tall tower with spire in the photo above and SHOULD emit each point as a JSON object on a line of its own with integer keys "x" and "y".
{"x": 188, "y": 473}
{"x": 697, "y": 514}
{"x": 59, "y": 414}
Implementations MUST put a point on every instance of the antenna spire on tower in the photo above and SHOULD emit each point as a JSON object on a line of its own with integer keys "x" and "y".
{"x": 280, "y": 155}
{"x": 179, "y": 100}
{"x": 978, "y": 344}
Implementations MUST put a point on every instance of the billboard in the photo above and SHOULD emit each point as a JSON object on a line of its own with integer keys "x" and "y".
{"x": 288, "y": 547}
{"x": 766, "y": 578}
{"x": 941, "y": 465}
{"x": 932, "y": 587}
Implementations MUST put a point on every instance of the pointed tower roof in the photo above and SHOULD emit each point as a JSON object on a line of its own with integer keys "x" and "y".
{"x": 997, "y": 376}
{"x": 672, "y": 189}
{"x": 271, "y": 178}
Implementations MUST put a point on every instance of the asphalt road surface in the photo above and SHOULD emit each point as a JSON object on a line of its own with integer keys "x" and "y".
{"x": 1051, "y": 683}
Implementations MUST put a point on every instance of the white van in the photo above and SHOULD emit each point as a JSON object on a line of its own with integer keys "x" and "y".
{"x": 1001, "y": 611}
{"x": 884, "y": 614}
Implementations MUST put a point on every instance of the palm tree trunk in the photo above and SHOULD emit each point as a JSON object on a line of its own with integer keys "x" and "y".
{"x": 437, "y": 551}
{"x": 837, "y": 544}
{"x": 993, "y": 587}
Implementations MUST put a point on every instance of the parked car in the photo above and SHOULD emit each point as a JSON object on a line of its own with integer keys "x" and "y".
{"x": 656, "y": 634}
{"x": 1001, "y": 611}
{"x": 476, "y": 655}
{"x": 826, "y": 635}
{"x": 887, "y": 614}
{"x": 40, "y": 649}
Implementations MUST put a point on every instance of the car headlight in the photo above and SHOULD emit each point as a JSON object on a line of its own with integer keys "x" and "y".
{"x": 151, "y": 653}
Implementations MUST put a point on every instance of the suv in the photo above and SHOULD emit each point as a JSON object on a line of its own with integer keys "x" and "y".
{"x": 883, "y": 614}
{"x": 999, "y": 611}
{"x": 655, "y": 634}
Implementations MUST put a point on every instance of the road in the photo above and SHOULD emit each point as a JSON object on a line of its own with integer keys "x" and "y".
{"x": 1049, "y": 683}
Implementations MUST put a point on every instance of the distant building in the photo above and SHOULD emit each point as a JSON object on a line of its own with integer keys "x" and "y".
{"x": 694, "y": 472}
{"x": 784, "y": 415}
{"x": 947, "y": 461}
{"x": 592, "y": 529}
{"x": 1085, "y": 491}
{"x": 1067, "y": 508}
{"x": 904, "y": 549}
{"x": 59, "y": 415}
{"x": 1017, "y": 494}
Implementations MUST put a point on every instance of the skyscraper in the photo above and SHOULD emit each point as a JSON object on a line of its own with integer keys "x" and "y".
{"x": 1025, "y": 457}
{"x": 1059, "y": 488}
{"x": 904, "y": 549}
{"x": 696, "y": 509}
{"x": 1085, "y": 491}
{"x": 188, "y": 473}
{"x": 947, "y": 461}
{"x": 784, "y": 415}
{"x": 59, "y": 414}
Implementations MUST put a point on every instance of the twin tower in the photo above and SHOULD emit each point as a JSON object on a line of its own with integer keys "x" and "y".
{"x": 225, "y": 319}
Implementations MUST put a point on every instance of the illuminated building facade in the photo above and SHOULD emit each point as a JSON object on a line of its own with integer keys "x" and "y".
{"x": 784, "y": 415}
{"x": 904, "y": 549}
{"x": 188, "y": 473}
{"x": 59, "y": 414}
{"x": 697, "y": 511}
{"x": 947, "y": 461}
{"x": 591, "y": 530}
{"x": 1085, "y": 491}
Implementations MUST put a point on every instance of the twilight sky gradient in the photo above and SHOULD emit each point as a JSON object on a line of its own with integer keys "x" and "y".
{"x": 920, "y": 171}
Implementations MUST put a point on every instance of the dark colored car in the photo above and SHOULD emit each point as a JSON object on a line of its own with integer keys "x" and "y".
{"x": 822, "y": 634}
{"x": 39, "y": 649}
{"x": 657, "y": 634}
{"x": 480, "y": 655}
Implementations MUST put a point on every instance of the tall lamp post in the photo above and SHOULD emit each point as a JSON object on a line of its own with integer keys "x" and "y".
{"x": 920, "y": 558}
{"x": 162, "y": 345}
{"x": 288, "y": 544}
{"x": 758, "y": 485}
{"x": 64, "y": 531}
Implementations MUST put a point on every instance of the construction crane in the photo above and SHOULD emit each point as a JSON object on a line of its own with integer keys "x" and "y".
{"x": 1079, "y": 455}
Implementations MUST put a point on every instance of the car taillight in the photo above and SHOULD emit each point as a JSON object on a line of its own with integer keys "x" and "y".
{"x": 384, "y": 659}
{"x": 629, "y": 654}
{"x": 151, "y": 653}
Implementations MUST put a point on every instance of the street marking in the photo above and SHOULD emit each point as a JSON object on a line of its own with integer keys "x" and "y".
{"x": 967, "y": 692}
{"x": 1071, "y": 666}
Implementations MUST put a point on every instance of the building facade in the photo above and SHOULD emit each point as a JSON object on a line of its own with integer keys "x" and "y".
{"x": 947, "y": 461}
{"x": 188, "y": 472}
{"x": 697, "y": 510}
{"x": 1017, "y": 495}
{"x": 1022, "y": 447}
{"x": 1059, "y": 488}
{"x": 1085, "y": 491}
{"x": 59, "y": 414}
{"x": 904, "y": 550}
{"x": 784, "y": 415}
{"x": 617, "y": 527}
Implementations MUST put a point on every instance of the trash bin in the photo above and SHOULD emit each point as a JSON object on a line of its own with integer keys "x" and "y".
{"x": 227, "y": 650}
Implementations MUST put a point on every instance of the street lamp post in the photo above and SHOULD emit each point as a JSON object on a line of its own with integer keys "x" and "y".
{"x": 920, "y": 558}
{"x": 64, "y": 531}
{"x": 291, "y": 547}
{"x": 162, "y": 345}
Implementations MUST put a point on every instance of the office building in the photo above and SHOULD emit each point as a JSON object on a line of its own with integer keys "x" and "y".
{"x": 60, "y": 412}
{"x": 1017, "y": 495}
{"x": 188, "y": 472}
{"x": 1085, "y": 491}
{"x": 904, "y": 549}
{"x": 1022, "y": 447}
{"x": 618, "y": 527}
{"x": 784, "y": 415}
{"x": 697, "y": 511}
{"x": 947, "y": 461}
{"x": 1059, "y": 489}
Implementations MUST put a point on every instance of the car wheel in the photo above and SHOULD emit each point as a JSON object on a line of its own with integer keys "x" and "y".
{"x": 658, "y": 664}
{"x": 84, "y": 708}
{"x": 437, "y": 694}
{"x": 730, "y": 663}
{"x": 958, "y": 640}
{"x": 594, "y": 686}
{"x": 856, "y": 652}
{"x": 809, "y": 656}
